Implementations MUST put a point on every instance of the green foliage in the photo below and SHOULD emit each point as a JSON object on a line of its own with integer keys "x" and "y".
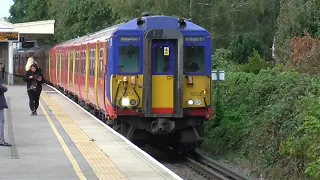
{"x": 296, "y": 17}
{"x": 255, "y": 64}
{"x": 260, "y": 114}
{"x": 220, "y": 60}
{"x": 242, "y": 47}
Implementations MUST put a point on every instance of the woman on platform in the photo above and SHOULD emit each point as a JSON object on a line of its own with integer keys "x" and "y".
{"x": 34, "y": 79}
{"x": 30, "y": 62}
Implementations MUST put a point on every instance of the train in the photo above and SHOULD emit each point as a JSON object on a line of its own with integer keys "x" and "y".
{"x": 148, "y": 78}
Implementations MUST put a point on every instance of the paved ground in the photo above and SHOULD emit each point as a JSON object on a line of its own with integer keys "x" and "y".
{"x": 64, "y": 142}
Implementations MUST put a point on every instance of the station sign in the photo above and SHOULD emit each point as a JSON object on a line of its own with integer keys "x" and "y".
{"x": 129, "y": 39}
{"x": 9, "y": 36}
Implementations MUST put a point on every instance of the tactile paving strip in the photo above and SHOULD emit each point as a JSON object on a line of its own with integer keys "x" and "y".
{"x": 101, "y": 164}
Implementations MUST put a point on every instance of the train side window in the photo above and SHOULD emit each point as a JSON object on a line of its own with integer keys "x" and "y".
{"x": 101, "y": 55}
{"x": 77, "y": 62}
{"x": 71, "y": 62}
{"x": 67, "y": 62}
{"x": 129, "y": 59}
{"x": 193, "y": 59}
{"x": 83, "y": 59}
{"x": 62, "y": 62}
{"x": 90, "y": 62}
{"x": 92, "y": 57}
{"x": 93, "y": 61}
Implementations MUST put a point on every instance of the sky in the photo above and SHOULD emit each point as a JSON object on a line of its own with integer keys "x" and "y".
{"x": 4, "y": 8}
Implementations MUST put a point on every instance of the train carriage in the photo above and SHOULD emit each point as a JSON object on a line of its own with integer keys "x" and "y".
{"x": 148, "y": 78}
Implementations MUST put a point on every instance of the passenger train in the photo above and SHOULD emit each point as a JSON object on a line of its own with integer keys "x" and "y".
{"x": 148, "y": 78}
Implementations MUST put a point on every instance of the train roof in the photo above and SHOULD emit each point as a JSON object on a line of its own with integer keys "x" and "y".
{"x": 151, "y": 22}
{"x": 34, "y": 49}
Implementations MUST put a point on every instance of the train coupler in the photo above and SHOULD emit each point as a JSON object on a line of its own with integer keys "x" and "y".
{"x": 162, "y": 126}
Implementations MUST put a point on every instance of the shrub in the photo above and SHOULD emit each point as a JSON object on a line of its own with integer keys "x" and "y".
{"x": 242, "y": 47}
{"x": 255, "y": 64}
{"x": 271, "y": 119}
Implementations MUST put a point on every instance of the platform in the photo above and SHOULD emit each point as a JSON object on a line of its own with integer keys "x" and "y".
{"x": 65, "y": 142}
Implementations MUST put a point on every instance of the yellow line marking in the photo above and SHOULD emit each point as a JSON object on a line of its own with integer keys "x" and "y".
{"x": 74, "y": 163}
{"x": 101, "y": 164}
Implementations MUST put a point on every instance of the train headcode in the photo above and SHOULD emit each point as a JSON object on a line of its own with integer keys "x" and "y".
{"x": 9, "y": 36}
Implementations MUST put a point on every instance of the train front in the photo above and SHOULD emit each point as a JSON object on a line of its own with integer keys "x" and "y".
{"x": 161, "y": 88}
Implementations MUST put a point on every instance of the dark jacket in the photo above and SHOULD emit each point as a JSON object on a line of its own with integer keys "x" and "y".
{"x": 34, "y": 80}
{"x": 3, "y": 101}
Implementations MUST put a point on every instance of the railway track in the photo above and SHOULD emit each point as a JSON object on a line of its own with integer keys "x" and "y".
{"x": 211, "y": 169}
{"x": 206, "y": 167}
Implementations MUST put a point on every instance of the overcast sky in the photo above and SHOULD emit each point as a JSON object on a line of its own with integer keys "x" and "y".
{"x": 4, "y": 8}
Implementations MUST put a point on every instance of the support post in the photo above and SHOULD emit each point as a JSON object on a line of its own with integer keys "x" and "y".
{"x": 10, "y": 62}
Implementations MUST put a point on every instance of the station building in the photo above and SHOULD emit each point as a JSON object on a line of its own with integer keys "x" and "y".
{"x": 20, "y": 35}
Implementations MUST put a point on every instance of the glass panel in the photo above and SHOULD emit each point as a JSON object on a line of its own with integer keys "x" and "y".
{"x": 162, "y": 62}
{"x": 83, "y": 60}
{"x": 101, "y": 64}
{"x": 71, "y": 62}
{"x": 193, "y": 59}
{"x": 129, "y": 59}
{"x": 77, "y": 63}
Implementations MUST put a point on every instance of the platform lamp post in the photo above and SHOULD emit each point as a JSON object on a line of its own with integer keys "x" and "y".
{"x": 217, "y": 76}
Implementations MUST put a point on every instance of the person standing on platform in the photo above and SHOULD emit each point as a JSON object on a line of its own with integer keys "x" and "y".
{"x": 3, "y": 105}
{"x": 2, "y": 68}
{"x": 34, "y": 79}
{"x": 30, "y": 62}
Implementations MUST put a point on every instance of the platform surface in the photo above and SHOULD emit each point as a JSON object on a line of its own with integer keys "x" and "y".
{"x": 65, "y": 142}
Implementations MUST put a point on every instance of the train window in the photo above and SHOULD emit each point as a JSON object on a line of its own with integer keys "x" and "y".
{"x": 162, "y": 62}
{"x": 62, "y": 62}
{"x": 101, "y": 64}
{"x": 83, "y": 62}
{"x": 71, "y": 62}
{"x": 193, "y": 59}
{"x": 67, "y": 62}
{"x": 92, "y": 62}
{"x": 77, "y": 62}
{"x": 129, "y": 59}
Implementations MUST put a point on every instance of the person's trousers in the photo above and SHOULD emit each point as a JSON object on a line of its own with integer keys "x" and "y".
{"x": 1, "y": 125}
{"x": 34, "y": 97}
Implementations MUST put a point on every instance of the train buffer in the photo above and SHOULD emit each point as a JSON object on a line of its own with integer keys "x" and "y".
{"x": 65, "y": 142}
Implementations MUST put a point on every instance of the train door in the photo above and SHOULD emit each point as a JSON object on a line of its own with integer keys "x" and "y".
{"x": 163, "y": 77}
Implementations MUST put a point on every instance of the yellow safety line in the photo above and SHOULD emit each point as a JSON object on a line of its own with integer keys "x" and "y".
{"x": 102, "y": 165}
{"x": 73, "y": 161}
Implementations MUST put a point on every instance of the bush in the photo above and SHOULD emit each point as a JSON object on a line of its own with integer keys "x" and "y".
{"x": 271, "y": 119}
{"x": 255, "y": 64}
{"x": 242, "y": 47}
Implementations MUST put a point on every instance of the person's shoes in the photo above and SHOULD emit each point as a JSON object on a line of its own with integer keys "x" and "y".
{"x": 5, "y": 144}
{"x": 33, "y": 113}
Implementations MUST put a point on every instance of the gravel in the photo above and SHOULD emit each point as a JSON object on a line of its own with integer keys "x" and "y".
{"x": 176, "y": 165}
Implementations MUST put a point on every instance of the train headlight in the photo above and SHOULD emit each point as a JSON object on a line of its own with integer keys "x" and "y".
{"x": 197, "y": 102}
{"x": 190, "y": 102}
{"x": 125, "y": 102}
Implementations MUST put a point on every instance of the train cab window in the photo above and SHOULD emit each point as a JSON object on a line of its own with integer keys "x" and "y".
{"x": 83, "y": 62}
{"x": 129, "y": 59}
{"x": 100, "y": 64}
{"x": 193, "y": 59}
